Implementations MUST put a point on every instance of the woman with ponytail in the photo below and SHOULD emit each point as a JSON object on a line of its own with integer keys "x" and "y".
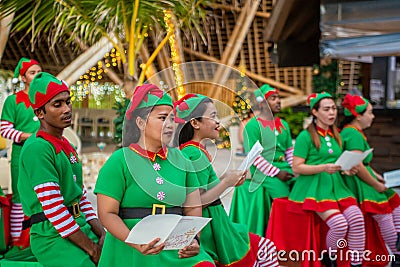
{"x": 320, "y": 187}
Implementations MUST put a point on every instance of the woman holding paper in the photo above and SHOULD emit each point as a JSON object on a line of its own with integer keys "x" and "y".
{"x": 271, "y": 172}
{"x": 146, "y": 177}
{"x": 320, "y": 186}
{"x": 373, "y": 197}
{"x": 228, "y": 243}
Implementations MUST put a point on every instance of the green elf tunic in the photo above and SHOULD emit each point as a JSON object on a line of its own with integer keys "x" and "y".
{"x": 228, "y": 243}
{"x": 321, "y": 191}
{"x": 370, "y": 200}
{"x": 44, "y": 160}
{"x": 275, "y": 137}
{"x": 149, "y": 178}
{"x": 18, "y": 111}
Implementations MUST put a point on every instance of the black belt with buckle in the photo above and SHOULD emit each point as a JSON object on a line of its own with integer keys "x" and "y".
{"x": 20, "y": 143}
{"x": 40, "y": 217}
{"x": 216, "y": 202}
{"x": 140, "y": 213}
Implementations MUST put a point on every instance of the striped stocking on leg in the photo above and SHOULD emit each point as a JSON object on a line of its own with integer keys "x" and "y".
{"x": 337, "y": 230}
{"x": 356, "y": 234}
{"x": 388, "y": 232}
{"x": 266, "y": 255}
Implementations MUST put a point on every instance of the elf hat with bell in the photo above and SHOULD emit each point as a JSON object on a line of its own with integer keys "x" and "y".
{"x": 23, "y": 65}
{"x": 264, "y": 92}
{"x": 44, "y": 87}
{"x": 148, "y": 95}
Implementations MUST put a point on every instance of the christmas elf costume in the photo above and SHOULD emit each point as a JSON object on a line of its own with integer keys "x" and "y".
{"x": 228, "y": 243}
{"x": 255, "y": 194}
{"x": 51, "y": 187}
{"x": 138, "y": 178}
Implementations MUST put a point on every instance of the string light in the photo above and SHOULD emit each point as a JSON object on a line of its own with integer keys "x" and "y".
{"x": 175, "y": 53}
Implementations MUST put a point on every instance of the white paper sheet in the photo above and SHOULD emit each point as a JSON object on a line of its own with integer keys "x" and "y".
{"x": 349, "y": 159}
{"x": 392, "y": 178}
{"x": 177, "y": 231}
{"x": 254, "y": 152}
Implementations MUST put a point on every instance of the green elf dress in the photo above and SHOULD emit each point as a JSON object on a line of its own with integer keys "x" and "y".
{"x": 321, "y": 191}
{"x": 17, "y": 111}
{"x": 370, "y": 200}
{"x": 254, "y": 196}
{"x": 140, "y": 179}
{"x": 229, "y": 244}
{"x": 44, "y": 160}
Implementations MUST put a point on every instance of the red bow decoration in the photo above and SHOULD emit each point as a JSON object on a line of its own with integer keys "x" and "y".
{"x": 351, "y": 102}
{"x": 182, "y": 105}
{"x": 140, "y": 94}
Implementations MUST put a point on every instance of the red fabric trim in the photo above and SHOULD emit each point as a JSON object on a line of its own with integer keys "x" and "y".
{"x": 199, "y": 146}
{"x": 323, "y": 132}
{"x": 359, "y": 130}
{"x": 271, "y": 92}
{"x": 163, "y": 153}
{"x": 141, "y": 93}
{"x": 22, "y": 97}
{"x": 312, "y": 205}
{"x": 274, "y": 124}
{"x": 375, "y": 208}
{"x": 394, "y": 201}
{"x": 251, "y": 256}
{"x": 59, "y": 144}
{"x": 204, "y": 264}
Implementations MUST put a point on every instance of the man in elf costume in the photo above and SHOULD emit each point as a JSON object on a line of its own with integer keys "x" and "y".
{"x": 62, "y": 220}
{"x": 18, "y": 122}
{"x": 271, "y": 171}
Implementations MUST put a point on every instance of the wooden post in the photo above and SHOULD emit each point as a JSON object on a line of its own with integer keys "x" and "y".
{"x": 235, "y": 42}
{"x": 5, "y": 26}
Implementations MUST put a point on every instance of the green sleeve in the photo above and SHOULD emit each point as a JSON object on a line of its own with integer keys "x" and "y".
{"x": 289, "y": 143}
{"x": 302, "y": 145}
{"x": 192, "y": 182}
{"x": 251, "y": 134}
{"x": 41, "y": 168}
{"x": 9, "y": 108}
{"x": 352, "y": 139}
{"x": 111, "y": 180}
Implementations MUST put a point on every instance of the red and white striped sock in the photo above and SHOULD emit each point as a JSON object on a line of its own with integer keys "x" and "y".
{"x": 356, "y": 234}
{"x": 388, "y": 232}
{"x": 16, "y": 219}
{"x": 267, "y": 255}
{"x": 337, "y": 230}
{"x": 396, "y": 219}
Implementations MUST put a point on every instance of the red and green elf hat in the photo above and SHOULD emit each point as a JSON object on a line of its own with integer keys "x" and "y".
{"x": 23, "y": 65}
{"x": 44, "y": 87}
{"x": 354, "y": 105}
{"x": 185, "y": 106}
{"x": 264, "y": 92}
{"x": 148, "y": 95}
{"x": 314, "y": 98}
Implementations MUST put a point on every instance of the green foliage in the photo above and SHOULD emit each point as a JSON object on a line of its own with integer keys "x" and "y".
{"x": 326, "y": 78}
{"x": 294, "y": 119}
{"x": 120, "y": 108}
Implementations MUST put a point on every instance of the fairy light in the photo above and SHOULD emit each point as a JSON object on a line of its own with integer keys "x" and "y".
{"x": 175, "y": 55}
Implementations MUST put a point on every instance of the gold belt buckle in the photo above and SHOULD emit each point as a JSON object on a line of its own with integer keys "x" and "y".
{"x": 76, "y": 211}
{"x": 158, "y": 206}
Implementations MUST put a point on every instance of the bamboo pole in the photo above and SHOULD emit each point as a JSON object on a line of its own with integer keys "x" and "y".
{"x": 235, "y": 41}
{"x": 265, "y": 15}
{"x": 5, "y": 26}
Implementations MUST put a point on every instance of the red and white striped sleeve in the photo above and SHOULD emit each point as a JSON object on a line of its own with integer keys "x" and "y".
{"x": 289, "y": 156}
{"x": 265, "y": 167}
{"x": 8, "y": 131}
{"x": 86, "y": 206}
{"x": 54, "y": 209}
